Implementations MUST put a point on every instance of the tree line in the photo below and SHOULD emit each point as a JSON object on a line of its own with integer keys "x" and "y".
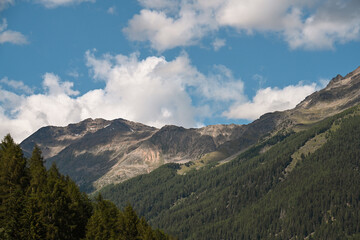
{"x": 251, "y": 197}
{"x": 36, "y": 203}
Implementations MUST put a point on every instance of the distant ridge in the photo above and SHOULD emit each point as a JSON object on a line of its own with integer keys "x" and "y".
{"x": 98, "y": 152}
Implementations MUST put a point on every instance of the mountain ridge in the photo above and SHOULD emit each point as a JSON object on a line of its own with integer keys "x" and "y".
{"x": 97, "y": 152}
{"x": 305, "y": 186}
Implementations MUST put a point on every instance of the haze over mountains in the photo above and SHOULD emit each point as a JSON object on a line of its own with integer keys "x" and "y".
{"x": 98, "y": 152}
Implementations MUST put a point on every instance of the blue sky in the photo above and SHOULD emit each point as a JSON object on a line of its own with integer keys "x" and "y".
{"x": 186, "y": 62}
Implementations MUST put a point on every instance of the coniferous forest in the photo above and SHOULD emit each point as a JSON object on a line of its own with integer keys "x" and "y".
{"x": 256, "y": 196}
{"x": 36, "y": 203}
{"x": 291, "y": 185}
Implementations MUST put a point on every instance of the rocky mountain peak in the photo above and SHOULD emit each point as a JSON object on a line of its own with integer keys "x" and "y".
{"x": 87, "y": 125}
{"x": 97, "y": 152}
{"x": 335, "y": 80}
{"x": 340, "y": 94}
{"x": 353, "y": 73}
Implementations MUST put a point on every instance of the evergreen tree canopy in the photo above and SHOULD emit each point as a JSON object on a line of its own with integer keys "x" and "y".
{"x": 43, "y": 204}
{"x": 13, "y": 183}
{"x": 264, "y": 193}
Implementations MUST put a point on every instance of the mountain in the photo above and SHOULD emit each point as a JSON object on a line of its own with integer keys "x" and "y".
{"x": 302, "y": 185}
{"x": 98, "y": 152}
{"x": 341, "y": 93}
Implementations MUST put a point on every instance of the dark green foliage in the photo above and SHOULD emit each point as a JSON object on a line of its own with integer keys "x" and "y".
{"x": 104, "y": 223}
{"x": 251, "y": 197}
{"x": 43, "y": 204}
{"x": 13, "y": 183}
{"x": 108, "y": 222}
{"x": 36, "y": 198}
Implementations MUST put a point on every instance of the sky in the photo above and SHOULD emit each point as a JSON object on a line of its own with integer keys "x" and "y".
{"x": 190, "y": 63}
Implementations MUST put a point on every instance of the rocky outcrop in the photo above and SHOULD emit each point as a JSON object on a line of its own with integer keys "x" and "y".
{"x": 340, "y": 94}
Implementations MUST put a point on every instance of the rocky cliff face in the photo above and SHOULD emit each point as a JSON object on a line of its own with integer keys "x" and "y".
{"x": 99, "y": 152}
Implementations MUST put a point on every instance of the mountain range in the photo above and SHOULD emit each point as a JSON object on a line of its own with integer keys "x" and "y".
{"x": 300, "y": 181}
{"x": 98, "y": 152}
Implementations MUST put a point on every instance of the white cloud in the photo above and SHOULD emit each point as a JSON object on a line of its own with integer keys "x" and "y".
{"x": 17, "y": 85}
{"x": 13, "y": 101}
{"x": 168, "y": 6}
{"x": 270, "y": 100}
{"x": 5, "y": 4}
{"x": 11, "y": 36}
{"x": 54, "y": 87}
{"x": 328, "y": 25}
{"x": 3, "y": 25}
{"x": 111, "y": 10}
{"x": 150, "y": 90}
{"x": 74, "y": 73}
{"x": 318, "y": 24}
{"x": 165, "y": 32}
{"x": 21, "y": 115}
{"x": 153, "y": 91}
{"x": 221, "y": 86}
{"x": 252, "y": 15}
{"x": 218, "y": 43}
{"x": 58, "y": 3}
{"x": 159, "y": 4}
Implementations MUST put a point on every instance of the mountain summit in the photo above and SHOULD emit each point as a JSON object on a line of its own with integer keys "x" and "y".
{"x": 341, "y": 93}
{"x": 98, "y": 152}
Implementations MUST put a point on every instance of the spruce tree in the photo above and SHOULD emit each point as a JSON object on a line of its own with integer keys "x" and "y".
{"x": 36, "y": 197}
{"x": 130, "y": 224}
{"x": 13, "y": 183}
{"x": 104, "y": 223}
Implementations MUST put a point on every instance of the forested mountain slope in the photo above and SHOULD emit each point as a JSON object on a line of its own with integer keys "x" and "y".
{"x": 291, "y": 186}
{"x": 97, "y": 152}
{"x": 36, "y": 203}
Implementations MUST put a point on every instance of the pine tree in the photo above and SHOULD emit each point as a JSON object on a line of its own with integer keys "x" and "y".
{"x": 55, "y": 207}
{"x": 37, "y": 170}
{"x": 35, "y": 220}
{"x": 104, "y": 223}
{"x": 13, "y": 183}
{"x": 130, "y": 223}
{"x": 80, "y": 209}
{"x": 40, "y": 204}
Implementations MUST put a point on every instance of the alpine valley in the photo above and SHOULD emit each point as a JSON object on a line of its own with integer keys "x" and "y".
{"x": 288, "y": 175}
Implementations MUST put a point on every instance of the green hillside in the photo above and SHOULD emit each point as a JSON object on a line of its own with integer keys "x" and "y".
{"x": 291, "y": 186}
{"x": 36, "y": 203}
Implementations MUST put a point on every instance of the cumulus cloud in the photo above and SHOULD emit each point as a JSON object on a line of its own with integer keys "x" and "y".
{"x": 22, "y": 114}
{"x": 270, "y": 100}
{"x": 17, "y": 85}
{"x": 9, "y": 36}
{"x": 53, "y": 86}
{"x": 334, "y": 22}
{"x": 150, "y": 90}
{"x": 318, "y": 24}
{"x": 153, "y": 91}
{"x": 58, "y": 3}
{"x": 166, "y": 32}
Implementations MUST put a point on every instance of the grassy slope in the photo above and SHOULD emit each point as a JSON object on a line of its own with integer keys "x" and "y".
{"x": 253, "y": 196}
